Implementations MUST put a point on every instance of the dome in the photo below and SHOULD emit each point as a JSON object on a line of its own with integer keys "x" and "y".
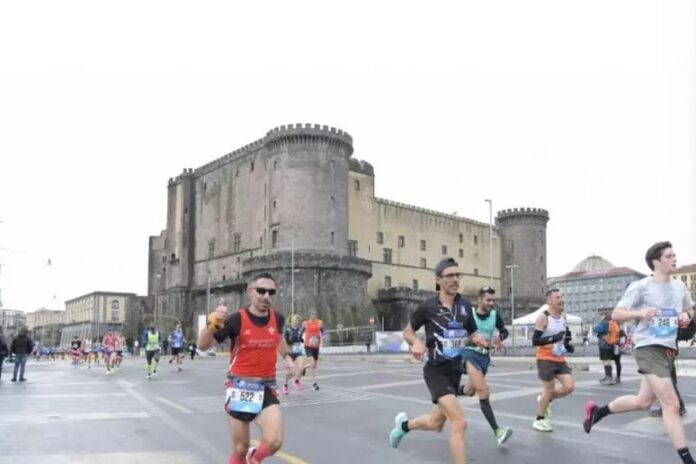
{"x": 593, "y": 263}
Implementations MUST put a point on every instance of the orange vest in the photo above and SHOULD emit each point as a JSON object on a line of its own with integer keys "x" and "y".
{"x": 612, "y": 336}
{"x": 312, "y": 333}
{"x": 256, "y": 348}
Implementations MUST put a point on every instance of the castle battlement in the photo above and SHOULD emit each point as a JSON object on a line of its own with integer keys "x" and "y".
{"x": 520, "y": 212}
{"x": 306, "y": 132}
{"x": 418, "y": 209}
{"x": 361, "y": 166}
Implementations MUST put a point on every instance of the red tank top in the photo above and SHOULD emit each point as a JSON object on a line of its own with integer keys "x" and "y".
{"x": 256, "y": 348}
{"x": 312, "y": 333}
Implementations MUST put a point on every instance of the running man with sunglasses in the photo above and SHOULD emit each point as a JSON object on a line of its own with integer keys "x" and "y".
{"x": 256, "y": 336}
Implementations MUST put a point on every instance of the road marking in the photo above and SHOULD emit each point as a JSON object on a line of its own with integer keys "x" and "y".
{"x": 9, "y": 419}
{"x": 65, "y": 395}
{"x": 283, "y": 456}
{"x": 654, "y": 425}
{"x": 186, "y": 432}
{"x": 158, "y": 457}
{"x": 174, "y": 405}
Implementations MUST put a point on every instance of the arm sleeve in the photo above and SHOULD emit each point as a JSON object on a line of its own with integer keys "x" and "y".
{"x": 233, "y": 325}
{"x": 538, "y": 340}
{"x": 418, "y": 317}
{"x": 500, "y": 325}
{"x": 631, "y": 298}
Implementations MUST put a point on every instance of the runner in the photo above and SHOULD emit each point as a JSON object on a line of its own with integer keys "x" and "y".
{"x": 552, "y": 337}
{"x": 109, "y": 347}
{"x": 256, "y": 335}
{"x": 119, "y": 341}
{"x": 87, "y": 352}
{"x": 448, "y": 325}
{"x": 478, "y": 358}
{"x": 152, "y": 351}
{"x": 75, "y": 352}
{"x": 176, "y": 340}
{"x": 659, "y": 304}
{"x": 96, "y": 350}
{"x": 312, "y": 334}
{"x": 293, "y": 338}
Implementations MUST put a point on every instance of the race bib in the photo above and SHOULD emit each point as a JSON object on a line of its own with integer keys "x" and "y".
{"x": 314, "y": 341}
{"x": 665, "y": 323}
{"x": 297, "y": 348}
{"x": 245, "y": 396}
{"x": 558, "y": 349}
{"x": 454, "y": 340}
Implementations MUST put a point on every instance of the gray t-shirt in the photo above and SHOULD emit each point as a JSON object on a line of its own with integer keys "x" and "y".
{"x": 670, "y": 299}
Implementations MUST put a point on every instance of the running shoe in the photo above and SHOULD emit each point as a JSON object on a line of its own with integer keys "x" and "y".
{"x": 397, "y": 433}
{"x": 297, "y": 384}
{"x": 503, "y": 434}
{"x": 285, "y": 389}
{"x": 542, "y": 425}
{"x": 590, "y": 414}
{"x": 250, "y": 453}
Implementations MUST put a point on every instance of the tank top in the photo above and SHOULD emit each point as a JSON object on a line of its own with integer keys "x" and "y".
{"x": 255, "y": 350}
{"x": 553, "y": 352}
{"x": 313, "y": 333}
{"x": 486, "y": 328}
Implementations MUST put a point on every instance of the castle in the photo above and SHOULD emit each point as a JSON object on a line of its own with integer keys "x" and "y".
{"x": 295, "y": 204}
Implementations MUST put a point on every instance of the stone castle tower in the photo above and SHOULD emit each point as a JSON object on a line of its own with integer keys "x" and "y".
{"x": 276, "y": 205}
{"x": 523, "y": 243}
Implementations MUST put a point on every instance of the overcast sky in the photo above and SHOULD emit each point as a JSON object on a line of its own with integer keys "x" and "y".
{"x": 584, "y": 108}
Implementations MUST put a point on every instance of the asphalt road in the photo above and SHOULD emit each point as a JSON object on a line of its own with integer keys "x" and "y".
{"x": 64, "y": 414}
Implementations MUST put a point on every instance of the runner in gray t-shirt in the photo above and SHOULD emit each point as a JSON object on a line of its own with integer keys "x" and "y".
{"x": 660, "y": 305}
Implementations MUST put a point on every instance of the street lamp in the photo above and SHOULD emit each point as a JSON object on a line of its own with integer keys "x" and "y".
{"x": 292, "y": 274}
{"x": 490, "y": 238}
{"x": 512, "y": 300}
{"x": 207, "y": 304}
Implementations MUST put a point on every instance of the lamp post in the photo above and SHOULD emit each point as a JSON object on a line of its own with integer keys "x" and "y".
{"x": 512, "y": 300}
{"x": 292, "y": 275}
{"x": 207, "y": 304}
{"x": 490, "y": 238}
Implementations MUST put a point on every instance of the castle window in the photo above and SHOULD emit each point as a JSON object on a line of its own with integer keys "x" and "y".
{"x": 274, "y": 238}
{"x": 422, "y": 245}
{"x": 461, "y": 238}
{"x": 387, "y": 255}
{"x": 237, "y": 243}
{"x": 402, "y": 241}
{"x": 461, "y": 253}
{"x": 252, "y": 167}
{"x": 415, "y": 284}
{"x": 211, "y": 249}
{"x": 236, "y": 174}
{"x": 387, "y": 282}
{"x": 333, "y": 202}
{"x": 423, "y": 263}
{"x": 274, "y": 204}
{"x": 275, "y": 164}
{"x": 475, "y": 239}
{"x": 475, "y": 271}
{"x": 260, "y": 241}
{"x": 444, "y": 249}
{"x": 380, "y": 238}
{"x": 332, "y": 237}
{"x": 356, "y": 184}
{"x": 352, "y": 248}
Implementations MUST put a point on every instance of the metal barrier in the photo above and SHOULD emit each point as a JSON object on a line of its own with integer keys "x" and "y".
{"x": 349, "y": 336}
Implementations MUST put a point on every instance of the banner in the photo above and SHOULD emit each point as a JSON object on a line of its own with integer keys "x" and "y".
{"x": 391, "y": 342}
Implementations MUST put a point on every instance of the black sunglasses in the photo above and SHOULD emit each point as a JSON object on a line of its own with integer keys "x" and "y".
{"x": 263, "y": 291}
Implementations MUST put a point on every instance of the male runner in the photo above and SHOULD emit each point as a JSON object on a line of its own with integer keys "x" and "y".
{"x": 109, "y": 347}
{"x": 75, "y": 352}
{"x": 152, "y": 351}
{"x": 449, "y": 325}
{"x": 312, "y": 333}
{"x": 293, "y": 338}
{"x": 256, "y": 335}
{"x": 552, "y": 337}
{"x": 660, "y": 305}
{"x": 478, "y": 358}
{"x": 119, "y": 342}
{"x": 176, "y": 341}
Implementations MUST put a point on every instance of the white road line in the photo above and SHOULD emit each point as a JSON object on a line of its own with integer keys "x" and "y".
{"x": 174, "y": 405}
{"x": 158, "y": 457}
{"x": 64, "y": 395}
{"x": 186, "y": 432}
{"x": 8, "y": 419}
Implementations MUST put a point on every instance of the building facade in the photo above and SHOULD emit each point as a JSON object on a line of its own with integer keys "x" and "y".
{"x": 92, "y": 315}
{"x": 46, "y": 325}
{"x": 295, "y": 204}
{"x": 594, "y": 287}
{"x": 687, "y": 274}
{"x": 11, "y": 320}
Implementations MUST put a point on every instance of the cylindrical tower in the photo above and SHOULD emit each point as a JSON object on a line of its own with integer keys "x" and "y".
{"x": 309, "y": 186}
{"x": 523, "y": 244}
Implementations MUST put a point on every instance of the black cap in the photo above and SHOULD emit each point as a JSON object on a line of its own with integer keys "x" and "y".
{"x": 444, "y": 264}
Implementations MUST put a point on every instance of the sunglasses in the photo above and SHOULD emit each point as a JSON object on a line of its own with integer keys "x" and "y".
{"x": 455, "y": 275}
{"x": 263, "y": 291}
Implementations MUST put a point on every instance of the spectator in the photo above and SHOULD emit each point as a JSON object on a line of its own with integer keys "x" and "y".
{"x": 22, "y": 346}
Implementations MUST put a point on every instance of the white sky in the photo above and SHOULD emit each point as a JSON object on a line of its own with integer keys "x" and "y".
{"x": 584, "y": 108}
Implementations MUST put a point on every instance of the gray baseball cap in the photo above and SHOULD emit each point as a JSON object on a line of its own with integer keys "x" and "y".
{"x": 444, "y": 264}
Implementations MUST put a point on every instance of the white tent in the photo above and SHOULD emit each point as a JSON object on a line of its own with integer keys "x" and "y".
{"x": 530, "y": 319}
